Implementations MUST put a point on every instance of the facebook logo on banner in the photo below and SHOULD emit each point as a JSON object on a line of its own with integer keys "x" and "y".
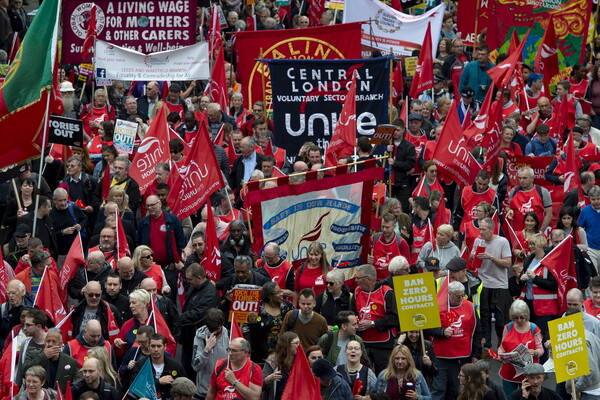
{"x": 101, "y": 72}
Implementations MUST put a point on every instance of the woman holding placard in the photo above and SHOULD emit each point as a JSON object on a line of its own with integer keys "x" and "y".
{"x": 518, "y": 331}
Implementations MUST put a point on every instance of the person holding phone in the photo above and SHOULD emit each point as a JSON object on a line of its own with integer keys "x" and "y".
{"x": 531, "y": 387}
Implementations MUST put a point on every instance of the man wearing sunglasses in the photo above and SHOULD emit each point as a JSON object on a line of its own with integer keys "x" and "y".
{"x": 93, "y": 307}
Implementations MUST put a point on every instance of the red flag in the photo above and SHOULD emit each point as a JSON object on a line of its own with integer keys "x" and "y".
{"x": 174, "y": 250}
{"x": 90, "y": 34}
{"x": 561, "y": 120}
{"x": 316, "y": 9}
{"x": 154, "y": 149}
{"x": 476, "y": 128}
{"x": 231, "y": 154}
{"x": 397, "y": 84}
{"x": 48, "y": 298}
{"x": 122, "y": 245}
{"x": 451, "y": 155}
{"x": 269, "y": 149}
{"x": 429, "y": 236}
{"x": 74, "y": 259}
{"x": 236, "y": 331}
{"x": 560, "y": 262}
{"x": 301, "y": 383}
{"x": 215, "y": 41}
{"x": 251, "y": 23}
{"x": 60, "y": 152}
{"x": 423, "y": 78}
{"x": 404, "y": 112}
{"x": 217, "y": 86}
{"x": 68, "y": 395}
{"x": 160, "y": 326}
{"x": 212, "y": 254}
{"x": 492, "y": 139}
{"x": 343, "y": 139}
{"x": 514, "y": 42}
{"x": 546, "y": 58}
{"x": 16, "y": 43}
{"x": 442, "y": 296}
{"x": 66, "y": 326}
{"x": 572, "y": 179}
{"x": 56, "y": 101}
{"x": 196, "y": 179}
{"x": 502, "y": 73}
{"x": 510, "y": 234}
{"x": 396, "y": 5}
{"x": 8, "y": 389}
{"x": 440, "y": 215}
{"x": 106, "y": 181}
{"x": 277, "y": 173}
{"x": 220, "y": 135}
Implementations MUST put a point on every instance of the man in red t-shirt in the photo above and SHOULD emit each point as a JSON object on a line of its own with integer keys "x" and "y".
{"x": 238, "y": 377}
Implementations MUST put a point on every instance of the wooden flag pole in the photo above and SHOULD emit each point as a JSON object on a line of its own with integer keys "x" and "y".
{"x": 476, "y": 24}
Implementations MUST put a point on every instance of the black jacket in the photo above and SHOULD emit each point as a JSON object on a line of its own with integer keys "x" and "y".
{"x": 44, "y": 231}
{"x": 172, "y": 367}
{"x": 130, "y": 285}
{"x": 404, "y": 161}
{"x": 66, "y": 369}
{"x": 121, "y": 303}
{"x": 329, "y": 307}
{"x": 104, "y": 390}
{"x": 237, "y": 171}
{"x": 197, "y": 302}
{"x": 101, "y": 315}
{"x": 88, "y": 188}
{"x": 132, "y": 189}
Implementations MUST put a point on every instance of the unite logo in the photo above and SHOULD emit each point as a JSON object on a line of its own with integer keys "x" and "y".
{"x": 526, "y": 207}
{"x": 548, "y": 51}
{"x": 459, "y": 150}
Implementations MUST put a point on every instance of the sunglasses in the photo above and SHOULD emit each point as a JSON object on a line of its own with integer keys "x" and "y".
{"x": 93, "y": 294}
{"x": 330, "y": 283}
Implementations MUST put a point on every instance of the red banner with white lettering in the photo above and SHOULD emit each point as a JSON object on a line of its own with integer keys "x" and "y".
{"x": 332, "y": 42}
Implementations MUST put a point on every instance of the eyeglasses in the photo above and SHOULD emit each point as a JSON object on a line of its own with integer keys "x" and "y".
{"x": 230, "y": 350}
{"x": 148, "y": 205}
{"x": 330, "y": 283}
{"x": 462, "y": 375}
{"x": 148, "y": 256}
{"x": 353, "y": 348}
{"x": 93, "y": 294}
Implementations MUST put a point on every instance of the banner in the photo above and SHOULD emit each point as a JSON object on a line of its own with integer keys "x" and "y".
{"x": 416, "y": 298}
{"x": 571, "y": 19}
{"x": 184, "y": 64}
{"x": 66, "y": 131}
{"x": 245, "y": 300}
{"x": 469, "y": 17}
{"x": 335, "y": 211}
{"x": 124, "y": 136}
{"x": 146, "y": 26}
{"x": 391, "y": 29}
{"x": 323, "y": 43}
{"x": 308, "y": 96}
{"x": 569, "y": 349}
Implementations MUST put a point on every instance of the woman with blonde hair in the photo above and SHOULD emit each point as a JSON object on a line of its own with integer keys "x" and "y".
{"x": 401, "y": 379}
{"x": 392, "y": 206}
{"x": 313, "y": 272}
{"x": 118, "y": 195}
{"x": 143, "y": 261}
{"x": 472, "y": 384}
{"x": 107, "y": 362}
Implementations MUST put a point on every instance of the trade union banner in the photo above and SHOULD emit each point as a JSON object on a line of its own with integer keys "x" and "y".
{"x": 571, "y": 19}
{"x": 147, "y": 26}
{"x": 335, "y": 211}
{"x": 390, "y": 29}
{"x": 332, "y": 42}
{"x": 183, "y": 64}
{"x": 308, "y": 96}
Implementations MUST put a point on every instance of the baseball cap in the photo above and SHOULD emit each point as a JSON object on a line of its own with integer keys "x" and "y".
{"x": 413, "y": 116}
{"x": 432, "y": 264}
{"x": 323, "y": 369}
{"x": 456, "y": 264}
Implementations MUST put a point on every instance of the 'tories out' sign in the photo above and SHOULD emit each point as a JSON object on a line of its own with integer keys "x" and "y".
{"x": 147, "y": 26}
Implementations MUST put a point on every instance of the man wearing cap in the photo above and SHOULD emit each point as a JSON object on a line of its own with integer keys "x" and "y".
{"x": 467, "y": 105}
{"x": 531, "y": 387}
{"x": 44, "y": 229}
{"x": 183, "y": 389}
{"x": 17, "y": 245}
{"x": 475, "y": 73}
{"x": 333, "y": 386}
{"x": 532, "y": 92}
{"x": 457, "y": 272}
{"x": 386, "y": 245}
{"x": 542, "y": 145}
{"x": 590, "y": 133}
{"x": 417, "y": 136}
{"x": 416, "y": 107}
{"x": 438, "y": 90}
{"x": 72, "y": 105}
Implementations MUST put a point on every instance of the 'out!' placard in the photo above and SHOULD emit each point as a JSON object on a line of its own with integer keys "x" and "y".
{"x": 567, "y": 336}
{"x": 416, "y": 299}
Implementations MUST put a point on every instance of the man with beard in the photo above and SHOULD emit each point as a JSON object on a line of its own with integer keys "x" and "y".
{"x": 95, "y": 113}
{"x": 72, "y": 105}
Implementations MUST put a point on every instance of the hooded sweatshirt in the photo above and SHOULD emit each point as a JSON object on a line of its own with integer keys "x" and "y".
{"x": 204, "y": 362}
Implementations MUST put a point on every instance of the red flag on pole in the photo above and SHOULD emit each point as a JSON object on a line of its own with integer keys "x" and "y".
{"x": 397, "y": 84}
{"x": 160, "y": 326}
{"x": 269, "y": 149}
{"x": 215, "y": 41}
{"x": 66, "y": 326}
{"x": 475, "y": 129}
{"x": 106, "y": 181}
{"x": 301, "y": 383}
{"x": 236, "y": 331}
{"x": 154, "y": 149}
{"x": 122, "y": 245}
{"x": 90, "y": 34}
{"x": 343, "y": 140}
{"x": 451, "y": 155}
{"x": 212, "y": 254}
{"x": 74, "y": 259}
{"x": 514, "y": 42}
{"x": 220, "y": 135}
{"x": 48, "y": 298}
{"x": 8, "y": 387}
{"x": 560, "y": 262}
{"x": 231, "y": 154}
{"x": 502, "y": 73}
{"x": 510, "y": 234}
{"x": 217, "y": 86}
{"x": 546, "y": 58}
{"x": 423, "y": 78}
{"x": 492, "y": 139}
{"x": 196, "y": 179}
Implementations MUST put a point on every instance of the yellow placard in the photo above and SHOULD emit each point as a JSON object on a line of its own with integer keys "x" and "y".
{"x": 245, "y": 303}
{"x": 335, "y": 4}
{"x": 410, "y": 63}
{"x": 569, "y": 352}
{"x": 416, "y": 299}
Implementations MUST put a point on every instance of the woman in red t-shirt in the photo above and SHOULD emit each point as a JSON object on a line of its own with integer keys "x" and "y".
{"x": 312, "y": 273}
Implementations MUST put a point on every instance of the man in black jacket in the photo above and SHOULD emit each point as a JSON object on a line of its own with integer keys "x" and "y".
{"x": 404, "y": 158}
{"x": 244, "y": 165}
{"x": 201, "y": 296}
{"x": 96, "y": 269}
{"x": 112, "y": 294}
{"x": 166, "y": 307}
{"x": 92, "y": 381}
{"x": 92, "y": 307}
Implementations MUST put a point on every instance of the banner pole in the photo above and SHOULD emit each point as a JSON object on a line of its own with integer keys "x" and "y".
{"x": 423, "y": 342}
{"x": 573, "y": 391}
{"x": 249, "y": 226}
{"x": 262, "y": 78}
{"x": 42, "y": 162}
{"x": 391, "y": 79}
{"x": 476, "y": 23}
